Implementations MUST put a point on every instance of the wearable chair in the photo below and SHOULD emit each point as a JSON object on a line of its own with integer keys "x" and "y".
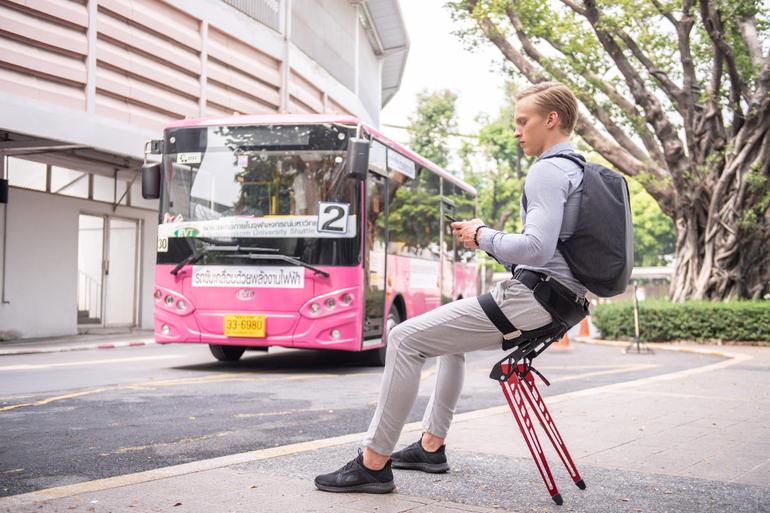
{"x": 515, "y": 375}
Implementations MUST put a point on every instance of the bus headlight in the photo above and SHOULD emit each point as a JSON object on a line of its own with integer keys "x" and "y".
{"x": 181, "y": 304}
{"x": 331, "y": 303}
{"x": 169, "y": 300}
{"x": 335, "y": 333}
{"x": 165, "y": 329}
{"x": 158, "y": 294}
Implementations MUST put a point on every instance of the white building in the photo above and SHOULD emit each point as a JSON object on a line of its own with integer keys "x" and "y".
{"x": 83, "y": 85}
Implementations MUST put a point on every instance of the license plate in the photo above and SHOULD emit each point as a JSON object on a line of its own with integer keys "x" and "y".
{"x": 245, "y": 326}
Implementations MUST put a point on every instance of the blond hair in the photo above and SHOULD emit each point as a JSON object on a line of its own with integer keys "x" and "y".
{"x": 554, "y": 97}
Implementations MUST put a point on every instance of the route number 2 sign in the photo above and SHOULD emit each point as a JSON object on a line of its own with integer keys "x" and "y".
{"x": 333, "y": 217}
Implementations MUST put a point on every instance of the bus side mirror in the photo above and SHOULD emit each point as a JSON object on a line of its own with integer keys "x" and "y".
{"x": 357, "y": 161}
{"x": 3, "y": 190}
{"x": 151, "y": 181}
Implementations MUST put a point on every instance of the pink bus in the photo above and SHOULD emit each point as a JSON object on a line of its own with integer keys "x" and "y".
{"x": 304, "y": 231}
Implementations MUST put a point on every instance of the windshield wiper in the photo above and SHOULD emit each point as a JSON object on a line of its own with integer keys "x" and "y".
{"x": 285, "y": 258}
{"x": 200, "y": 253}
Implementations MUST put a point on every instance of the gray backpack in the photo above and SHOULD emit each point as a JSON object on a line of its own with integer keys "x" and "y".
{"x": 600, "y": 253}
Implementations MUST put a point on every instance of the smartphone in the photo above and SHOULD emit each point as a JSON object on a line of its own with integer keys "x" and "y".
{"x": 450, "y": 218}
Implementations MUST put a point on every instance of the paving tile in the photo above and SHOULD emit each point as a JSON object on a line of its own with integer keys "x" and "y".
{"x": 385, "y": 504}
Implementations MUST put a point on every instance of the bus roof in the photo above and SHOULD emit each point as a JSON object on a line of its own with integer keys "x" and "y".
{"x": 301, "y": 119}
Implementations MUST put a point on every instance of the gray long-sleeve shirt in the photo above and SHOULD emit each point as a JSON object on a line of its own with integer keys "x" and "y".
{"x": 553, "y": 189}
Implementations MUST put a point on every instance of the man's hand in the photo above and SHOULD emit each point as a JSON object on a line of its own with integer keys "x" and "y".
{"x": 466, "y": 231}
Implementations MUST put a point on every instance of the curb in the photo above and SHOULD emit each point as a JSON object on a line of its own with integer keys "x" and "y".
{"x": 663, "y": 346}
{"x": 60, "y": 349}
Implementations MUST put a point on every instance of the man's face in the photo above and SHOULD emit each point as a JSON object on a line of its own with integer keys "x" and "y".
{"x": 531, "y": 127}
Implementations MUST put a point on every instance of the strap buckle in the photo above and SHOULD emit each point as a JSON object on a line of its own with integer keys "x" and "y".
{"x": 512, "y": 335}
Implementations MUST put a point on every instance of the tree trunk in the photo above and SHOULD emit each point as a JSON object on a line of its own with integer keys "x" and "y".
{"x": 739, "y": 265}
{"x": 723, "y": 231}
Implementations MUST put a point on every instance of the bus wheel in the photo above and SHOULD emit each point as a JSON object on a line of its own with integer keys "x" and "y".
{"x": 376, "y": 357}
{"x": 227, "y": 353}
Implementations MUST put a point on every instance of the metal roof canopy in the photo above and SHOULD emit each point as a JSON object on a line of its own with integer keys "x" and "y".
{"x": 386, "y": 30}
{"x": 64, "y": 154}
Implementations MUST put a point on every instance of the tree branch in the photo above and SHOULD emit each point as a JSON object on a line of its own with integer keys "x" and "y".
{"x": 673, "y": 149}
{"x": 628, "y": 165}
{"x": 628, "y": 108}
{"x": 492, "y": 33}
{"x": 575, "y": 7}
{"x": 712, "y": 21}
{"x": 710, "y": 131}
{"x": 762, "y": 88}
{"x": 665, "y": 13}
{"x": 748, "y": 28}
{"x": 673, "y": 91}
{"x": 585, "y": 96}
{"x": 689, "y": 77}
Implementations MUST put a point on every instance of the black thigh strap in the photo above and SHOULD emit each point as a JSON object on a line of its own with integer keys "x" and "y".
{"x": 497, "y": 317}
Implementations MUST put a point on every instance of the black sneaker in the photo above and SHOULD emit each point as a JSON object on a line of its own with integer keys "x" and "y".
{"x": 414, "y": 457}
{"x": 354, "y": 477}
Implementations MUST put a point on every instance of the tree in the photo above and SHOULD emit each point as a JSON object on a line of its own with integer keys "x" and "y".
{"x": 501, "y": 181}
{"x": 413, "y": 217}
{"x": 654, "y": 233}
{"x": 676, "y": 95}
{"x": 431, "y": 125}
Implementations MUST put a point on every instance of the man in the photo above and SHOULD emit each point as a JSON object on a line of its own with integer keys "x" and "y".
{"x": 545, "y": 117}
{"x": 306, "y": 187}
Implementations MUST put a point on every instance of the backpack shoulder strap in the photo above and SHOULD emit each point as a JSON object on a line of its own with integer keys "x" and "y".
{"x": 573, "y": 157}
{"x": 576, "y": 158}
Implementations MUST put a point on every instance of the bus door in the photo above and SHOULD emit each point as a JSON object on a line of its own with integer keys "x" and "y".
{"x": 375, "y": 261}
{"x": 448, "y": 250}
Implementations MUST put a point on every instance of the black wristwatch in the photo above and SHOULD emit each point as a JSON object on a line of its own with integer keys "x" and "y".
{"x": 476, "y": 235}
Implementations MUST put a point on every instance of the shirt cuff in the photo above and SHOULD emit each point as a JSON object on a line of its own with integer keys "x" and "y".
{"x": 485, "y": 239}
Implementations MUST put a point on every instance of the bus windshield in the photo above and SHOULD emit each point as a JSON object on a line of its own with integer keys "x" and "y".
{"x": 274, "y": 186}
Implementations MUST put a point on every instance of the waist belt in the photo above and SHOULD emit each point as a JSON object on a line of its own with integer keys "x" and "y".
{"x": 566, "y": 307}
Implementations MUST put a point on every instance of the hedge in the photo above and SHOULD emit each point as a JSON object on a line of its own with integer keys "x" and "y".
{"x": 661, "y": 320}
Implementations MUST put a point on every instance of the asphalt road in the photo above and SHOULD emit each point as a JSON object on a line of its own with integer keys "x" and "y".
{"x": 77, "y": 416}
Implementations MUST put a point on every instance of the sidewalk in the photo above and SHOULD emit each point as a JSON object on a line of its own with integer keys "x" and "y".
{"x": 77, "y": 342}
{"x": 692, "y": 441}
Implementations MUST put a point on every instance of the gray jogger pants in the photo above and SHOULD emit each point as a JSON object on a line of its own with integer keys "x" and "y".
{"x": 447, "y": 332}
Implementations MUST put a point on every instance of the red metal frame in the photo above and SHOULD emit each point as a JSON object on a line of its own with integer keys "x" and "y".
{"x": 520, "y": 390}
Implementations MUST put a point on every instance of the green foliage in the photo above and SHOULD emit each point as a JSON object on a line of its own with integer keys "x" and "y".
{"x": 500, "y": 180}
{"x": 413, "y": 218}
{"x": 661, "y": 320}
{"x": 431, "y": 125}
{"x": 572, "y": 52}
{"x": 654, "y": 232}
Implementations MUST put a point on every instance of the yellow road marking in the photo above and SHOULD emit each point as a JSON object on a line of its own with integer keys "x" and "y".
{"x": 150, "y": 385}
{"x": 88, "y": 362}
{"x": 276, "y": 413}
{"x": 53, "y": 399}
{"x": 624, "y": 368}
{"x": 189, "y": 439}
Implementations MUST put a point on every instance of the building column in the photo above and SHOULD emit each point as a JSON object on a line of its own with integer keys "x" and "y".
{"x": 203, "y": 79}
{"x": 356, "y": 72}
{"x": 91, "y": 57}
{"x": 285, "y": 66}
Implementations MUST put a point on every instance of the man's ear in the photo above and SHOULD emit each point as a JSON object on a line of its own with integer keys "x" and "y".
{"x": 553, "y": 120}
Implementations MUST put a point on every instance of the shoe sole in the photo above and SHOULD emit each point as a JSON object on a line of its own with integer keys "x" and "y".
{"x": 431, "y": 468}
{"x": 363, "y": 488}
